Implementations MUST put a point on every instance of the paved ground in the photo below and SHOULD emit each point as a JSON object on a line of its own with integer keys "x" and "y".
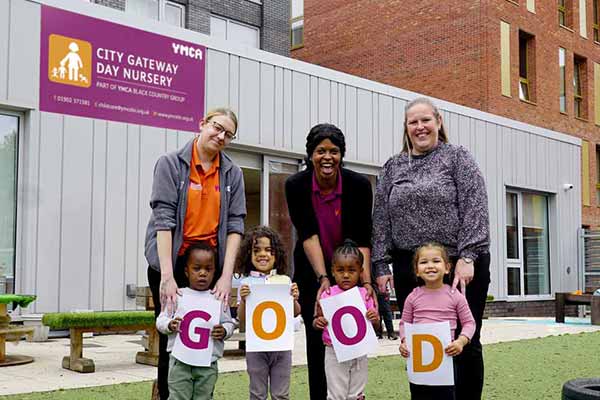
{"x": 114, "y": 355}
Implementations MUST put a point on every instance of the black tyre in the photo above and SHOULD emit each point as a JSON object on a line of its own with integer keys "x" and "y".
{"x": 581, "y": 389}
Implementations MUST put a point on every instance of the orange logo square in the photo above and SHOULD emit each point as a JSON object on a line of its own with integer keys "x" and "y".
{"x": 70, "y": 61}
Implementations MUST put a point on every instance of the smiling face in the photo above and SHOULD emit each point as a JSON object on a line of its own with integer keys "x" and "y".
{"x": 200, "y": 269}
{"x": 431, "y": 267}
{"x": 263, "y": 257}
{"x": 422, "y": 127}
{"x": 326, "y": 160}
{"x": 346, "y": 271}
{"x": 215, "y": 133}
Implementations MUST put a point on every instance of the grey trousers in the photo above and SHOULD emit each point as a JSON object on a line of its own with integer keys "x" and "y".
{"x": 345, "y": 380}
{"x": 269, "y": 369}
{"x": 188, "y": 382}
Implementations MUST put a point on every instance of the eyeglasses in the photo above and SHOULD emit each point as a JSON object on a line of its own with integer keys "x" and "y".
{"x": 220, "y": 129}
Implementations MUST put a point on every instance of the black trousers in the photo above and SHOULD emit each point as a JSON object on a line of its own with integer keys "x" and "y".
{"x": 163, "y": 356}
{"x": 385, "y": 314}
{"x": 469, "y": 364}
{"x": 315, "y": 349}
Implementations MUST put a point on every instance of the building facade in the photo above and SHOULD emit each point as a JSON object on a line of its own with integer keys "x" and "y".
{"x": 76, "y": 188}
{"x": 262, "y": 24}
{"x": 529, "y": 60}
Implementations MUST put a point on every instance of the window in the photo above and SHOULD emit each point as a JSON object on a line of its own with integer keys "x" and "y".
{"x": 161, "y": 10}
{"x": 297, "y": 23}
{"x": 526, "y": 66}
{"x": 562, "y": 55}
{"x": 565, "y": 13}
{"x": 227, "y": 29}
{"x": 595, "y": 20}
{"x": 9, "y": 127}
{"x": 579, "y": 86}
{"x": 527, "y": 244}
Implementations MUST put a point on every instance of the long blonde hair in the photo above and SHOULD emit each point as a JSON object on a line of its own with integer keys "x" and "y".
{"x": 442, "y": 135}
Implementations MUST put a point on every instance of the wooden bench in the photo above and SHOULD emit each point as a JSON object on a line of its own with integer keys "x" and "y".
{"x": 100, "y": 322}
{"x": 13, "y": 333}
{"x": 563, "y": 299}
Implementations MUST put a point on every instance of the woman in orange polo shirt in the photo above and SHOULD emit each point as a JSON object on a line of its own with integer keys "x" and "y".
{"x": 197, "y": 195}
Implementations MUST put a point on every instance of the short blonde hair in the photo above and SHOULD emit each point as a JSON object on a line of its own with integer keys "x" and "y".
{"x": 222, "y": 111}
{"x": 442, "y": 135}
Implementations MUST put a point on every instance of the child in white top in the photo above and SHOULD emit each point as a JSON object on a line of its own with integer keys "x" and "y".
{"x": 187, "y": 382}
{"x": 262, "y": 260}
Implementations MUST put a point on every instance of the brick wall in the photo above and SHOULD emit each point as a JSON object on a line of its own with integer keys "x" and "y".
{"x": 450, "y": 49}
{"x": 542, "y": 308}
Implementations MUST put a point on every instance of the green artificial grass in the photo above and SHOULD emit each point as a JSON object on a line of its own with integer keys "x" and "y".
{"x": 69, "y": 320}
{"x": 22, "y": 300}
{"x": 529, "y": 369}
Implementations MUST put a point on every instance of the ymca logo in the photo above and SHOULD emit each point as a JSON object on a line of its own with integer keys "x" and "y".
{"x": 69, "y": 61}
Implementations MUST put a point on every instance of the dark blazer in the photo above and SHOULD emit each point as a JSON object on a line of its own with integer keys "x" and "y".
{"x": 357, "y": 204}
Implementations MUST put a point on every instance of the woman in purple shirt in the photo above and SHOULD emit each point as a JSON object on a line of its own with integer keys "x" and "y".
{"x": 327, "y": 204}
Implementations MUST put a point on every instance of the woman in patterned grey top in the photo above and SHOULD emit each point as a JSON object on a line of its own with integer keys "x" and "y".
{"x": 434, "y": 191}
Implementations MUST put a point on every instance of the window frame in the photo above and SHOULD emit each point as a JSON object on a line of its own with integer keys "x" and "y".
{"x": 162, "y": 13}
{"x": 18, "y": 209}
{"x": 519, "y": 263}
{"x": 595, "y": 21}
{"x": 525, "y": 82}
{"x": 598, "y": 175}
{"x": 229, "y": 21}
{"x": 294, "y": 19}
{"x": 563, "y": 80}
{"x": 579, "y": 82}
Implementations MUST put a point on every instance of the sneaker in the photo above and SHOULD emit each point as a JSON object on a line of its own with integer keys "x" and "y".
{"x": 393, "y": 336}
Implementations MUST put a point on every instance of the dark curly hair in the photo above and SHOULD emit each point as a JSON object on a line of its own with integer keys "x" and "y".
{"x": 348, "y": 248}
{"x": 203, "y": 246}
{"x": 320, "y": 132}
{"x": 243, "y": 263}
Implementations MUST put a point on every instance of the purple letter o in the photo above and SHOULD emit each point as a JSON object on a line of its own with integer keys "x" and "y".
{"x": 336, "y": 325}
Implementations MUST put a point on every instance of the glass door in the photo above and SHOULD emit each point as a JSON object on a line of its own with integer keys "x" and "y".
{"x": 9, "y": 129}
{"x": 274, "y": 205}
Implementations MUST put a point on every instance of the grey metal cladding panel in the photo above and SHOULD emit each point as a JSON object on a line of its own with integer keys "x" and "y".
{"x": 287, "y": 111}
{"x": 114, "y": 232}
{"x": 217, "y": 79}
{"x": 76, "y": 213}
{"x": 249, "y": 109}
{"x": 301, "y": 110}
{"x": 234, "y": 83}
{"x": 279, "y": 109}
{"x": 334, "y": 102}
{"x": 386, "y": 129}
{"x": 375, "y": 133}
{"x": 266, "y": 131}
{"x": 314, "y": 100}
{"x": 49, "y": 213}
{"x": 97, "y": 239}
{"x": 324, "y": 100}
{"x": 341, "y": 108}
{"x": 351, "y": 123}
{"x": 24, "y": 65}
{"x": 171, "y": 140}
{"x": 151, "y": 144}
{"x": 398, "y": 127}
{"x": 365, "y": 120}
{"x": 5, "y": 23}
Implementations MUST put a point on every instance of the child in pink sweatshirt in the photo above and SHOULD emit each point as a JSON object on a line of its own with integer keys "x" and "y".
{"x": 435, "y": 301}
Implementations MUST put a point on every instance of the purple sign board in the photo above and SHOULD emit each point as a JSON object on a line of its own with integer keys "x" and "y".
{"x": 99, "y": 69}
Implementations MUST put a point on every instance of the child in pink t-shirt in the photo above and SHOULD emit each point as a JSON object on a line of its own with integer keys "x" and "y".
{"x": 435, "y": 301}
{"x": 345, "y": 380}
